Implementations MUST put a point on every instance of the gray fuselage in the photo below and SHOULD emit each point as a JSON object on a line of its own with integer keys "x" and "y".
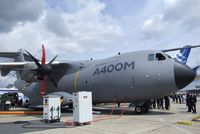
{"x": 134, "y": 76}
{"x": 130, "y": 76}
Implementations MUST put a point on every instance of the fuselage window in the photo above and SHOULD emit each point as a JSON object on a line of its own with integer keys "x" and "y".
{"x": 150, "y": 57}
{"x": 159, "y": 56}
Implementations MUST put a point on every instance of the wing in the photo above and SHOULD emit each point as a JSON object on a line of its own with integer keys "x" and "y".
{"x": 6, "y": 67}
{"x": 12, "y": 65}
{"x": 175, "y": 49}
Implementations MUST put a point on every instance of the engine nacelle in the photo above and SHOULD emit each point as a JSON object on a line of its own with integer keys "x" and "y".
{"x": 27, "y": 74}
{"x": 28, "y": 77}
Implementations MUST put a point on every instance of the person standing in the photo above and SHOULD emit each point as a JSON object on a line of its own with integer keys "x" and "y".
{"x": 184, "y": 98}
{"x": 188, "y": 101}
{"x": 176, "y": 98}
{"x": 158, "y": 103}
{"x": 154, "y": 103}
{"x": 193, "y": 103}
{"x": 179, "y": 98}
{"x": 166, "y": 98}
{"x": 161, "y": 103}
{"x": 20, "y": 102}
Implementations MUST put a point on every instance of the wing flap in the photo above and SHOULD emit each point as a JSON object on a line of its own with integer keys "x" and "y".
{"x": 12, "y": 65}
{"x": 6, "y": 67}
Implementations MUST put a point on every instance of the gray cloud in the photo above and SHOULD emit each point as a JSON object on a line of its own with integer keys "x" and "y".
{"x": 175, "y": 16}
{"x": 183, "y": 12}
{"x": 56, "y": 24}
{"x": 84, "y": 28}
{"x": 14, "y": 12}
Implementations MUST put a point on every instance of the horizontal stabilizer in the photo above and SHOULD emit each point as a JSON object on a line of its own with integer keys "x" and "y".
{"x": 14, "y": 55}
{"x": 175, "y": 49}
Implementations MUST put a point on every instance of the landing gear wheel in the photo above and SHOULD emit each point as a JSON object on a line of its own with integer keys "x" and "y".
{"x": 70, "y": 106}
{"x": 138, "y": 109}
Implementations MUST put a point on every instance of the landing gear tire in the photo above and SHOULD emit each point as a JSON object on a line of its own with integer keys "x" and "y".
{"x": 70, "y": 106}
{"x": 139, "y": 109}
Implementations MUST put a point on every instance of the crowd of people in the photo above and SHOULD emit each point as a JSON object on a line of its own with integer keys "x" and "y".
{"x": 190, "y": 99}
{"x": 161, "y": 103}
{"x": 178, "y": 98}
{"x": 16, "y": 101}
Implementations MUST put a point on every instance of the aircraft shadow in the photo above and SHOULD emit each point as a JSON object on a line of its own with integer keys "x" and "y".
{"x": 130, "y": 112}
{"x": 19, "y": 127}
{"x": 159, "y": 113}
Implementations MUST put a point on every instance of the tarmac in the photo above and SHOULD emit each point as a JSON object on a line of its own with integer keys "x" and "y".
{"x": 174, "y": 121}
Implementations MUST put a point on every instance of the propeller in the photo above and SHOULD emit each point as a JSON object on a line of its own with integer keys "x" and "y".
{"x": 44, "y": 70}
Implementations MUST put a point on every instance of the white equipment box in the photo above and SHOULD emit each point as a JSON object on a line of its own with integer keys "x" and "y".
{"x": 82, "y": 103}
{"x": 51, "y": 108}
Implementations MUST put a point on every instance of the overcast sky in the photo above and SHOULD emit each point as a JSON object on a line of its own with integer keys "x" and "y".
{"x": 84, "y": 29}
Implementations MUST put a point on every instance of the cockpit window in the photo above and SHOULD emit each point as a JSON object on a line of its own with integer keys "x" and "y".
{"x": 169, "y": 57}
{"x": 150, "y": 57}
{"x": 159, "y": 56}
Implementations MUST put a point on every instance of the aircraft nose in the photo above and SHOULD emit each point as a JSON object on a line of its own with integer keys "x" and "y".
{"x": 183, "y": 75}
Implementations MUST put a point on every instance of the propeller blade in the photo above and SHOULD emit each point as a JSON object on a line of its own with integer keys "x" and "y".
{"x": 43, "y": 87}
{"x": 43, "y": 71}
{"x": 53, "y": 81}
{"x": 43, "y": 55}
{"x": 34, "y": 59}
{"x": 53, "y": 59}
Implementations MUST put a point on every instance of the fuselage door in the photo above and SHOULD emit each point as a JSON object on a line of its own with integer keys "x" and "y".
{"x": 160, "y": 59}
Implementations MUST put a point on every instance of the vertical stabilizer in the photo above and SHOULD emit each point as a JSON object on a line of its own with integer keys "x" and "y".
{"x": 20, "y": 57}
{"x": 183, "y": 54}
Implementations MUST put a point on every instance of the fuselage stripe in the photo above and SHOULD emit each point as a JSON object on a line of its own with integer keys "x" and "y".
{"x": 76, "y": 80}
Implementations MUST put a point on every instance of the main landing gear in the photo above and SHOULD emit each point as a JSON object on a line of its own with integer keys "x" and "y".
{"x": 141, "y": 107}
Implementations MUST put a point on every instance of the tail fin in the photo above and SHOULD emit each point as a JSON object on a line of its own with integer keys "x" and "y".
{"x": 10, "y": 57}
{"x": 183, "y": 54}
{"x": 20, "y": 57}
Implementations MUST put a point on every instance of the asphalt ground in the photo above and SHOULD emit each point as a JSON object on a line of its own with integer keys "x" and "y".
{"x": 122, "y": 121}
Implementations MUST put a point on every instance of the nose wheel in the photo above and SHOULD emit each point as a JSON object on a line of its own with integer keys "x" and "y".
{"x": 139, "y": 109}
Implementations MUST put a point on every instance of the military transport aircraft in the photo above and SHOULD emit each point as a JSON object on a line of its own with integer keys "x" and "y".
{"x": 132, "y": 77}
